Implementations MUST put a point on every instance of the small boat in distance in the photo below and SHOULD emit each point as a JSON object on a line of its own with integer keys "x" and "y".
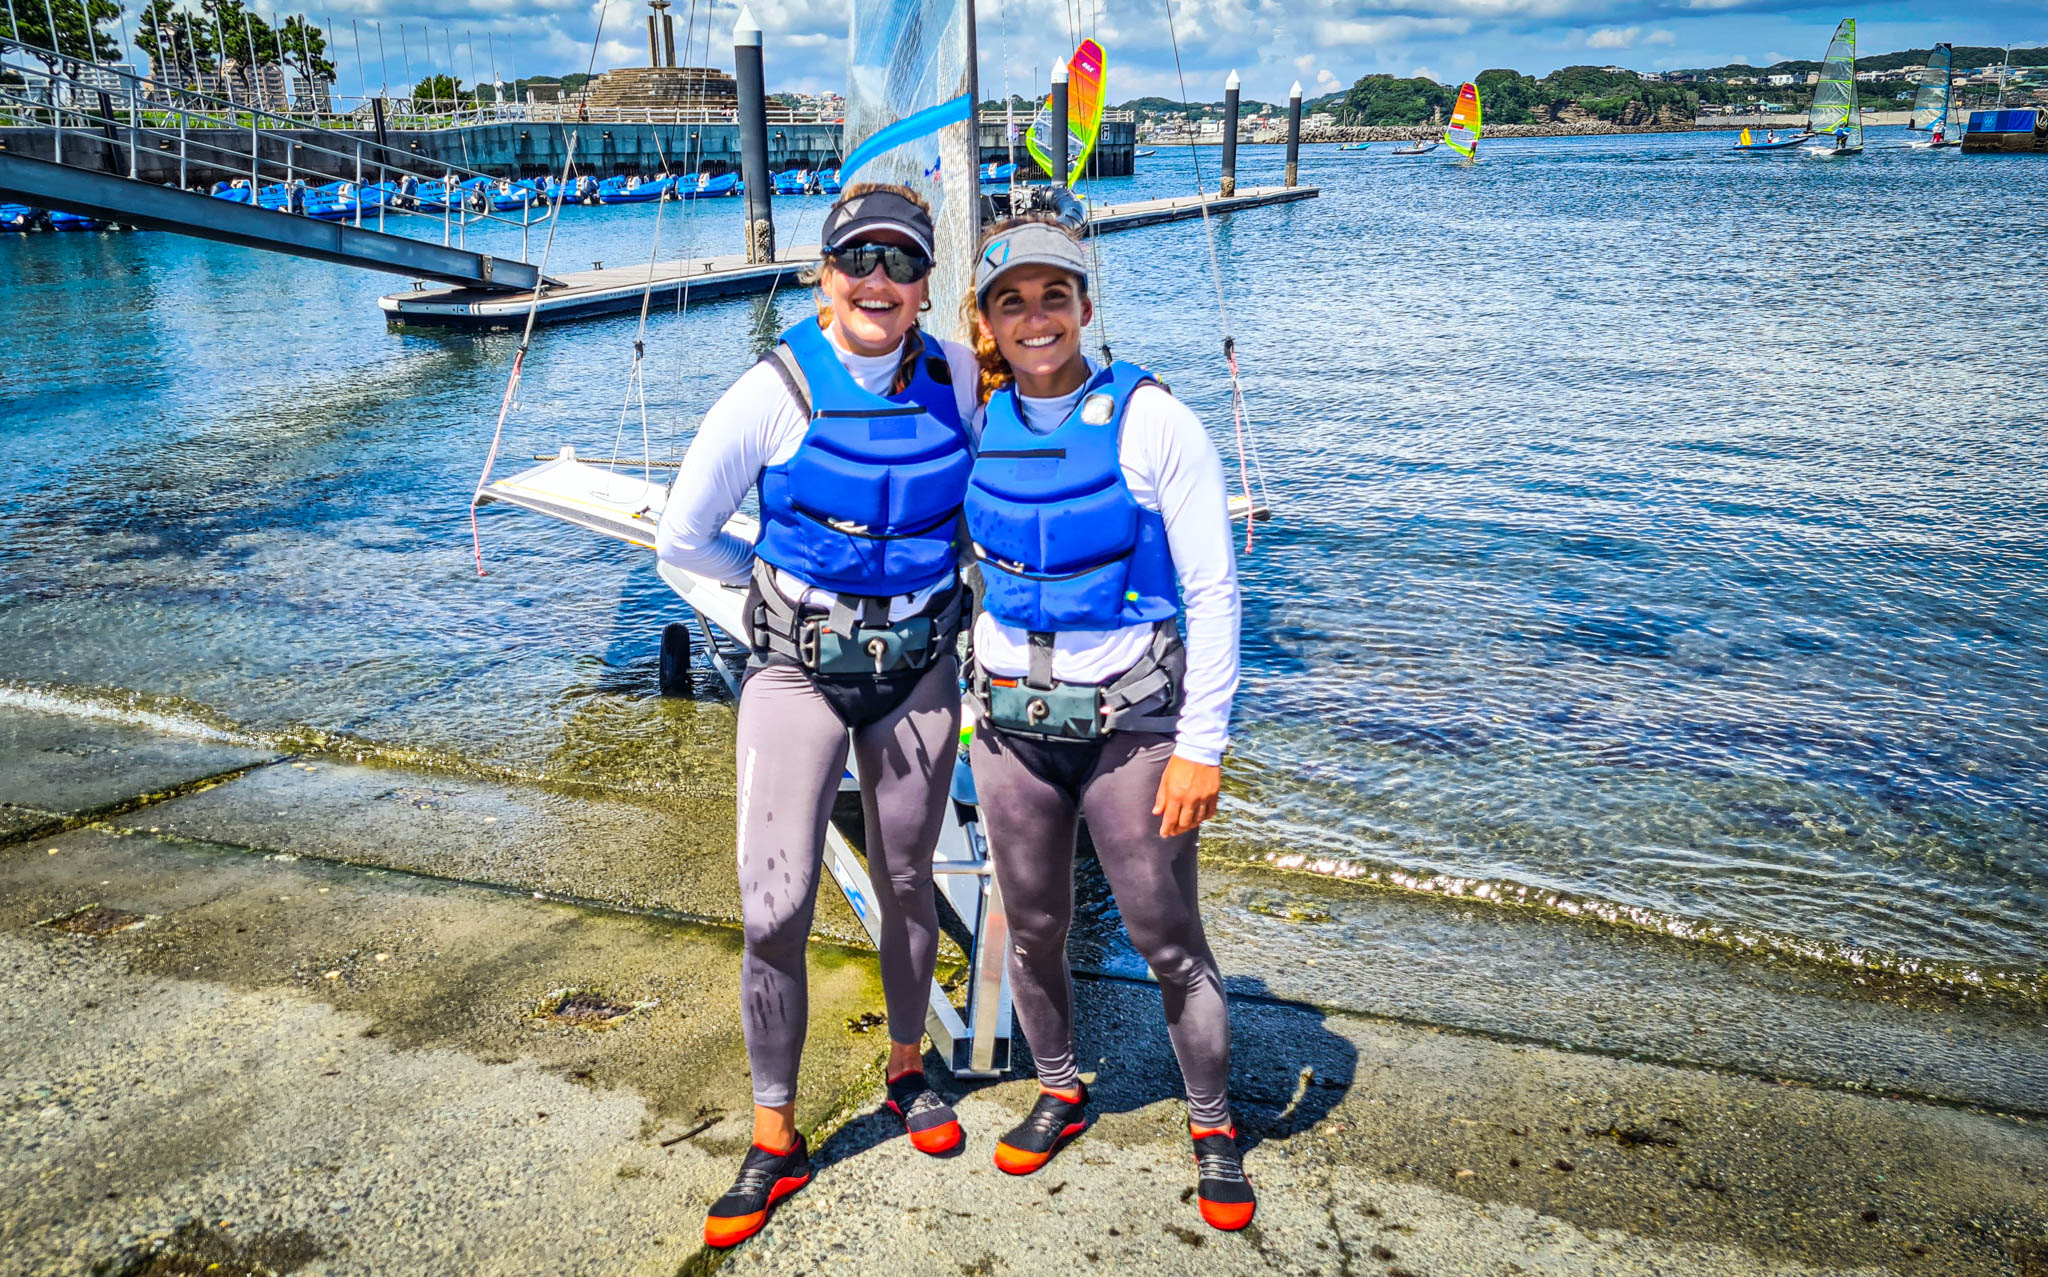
{"x": 1354, "y": 146}
{"x": 1142, "y": 154}
{"x": 1417, "y": 147}
{"x": 1772, "y": 142}
{"x": 1931, "y": 100}
{"x": 1835, "y": 116}
{"x": 1462, "y": 135}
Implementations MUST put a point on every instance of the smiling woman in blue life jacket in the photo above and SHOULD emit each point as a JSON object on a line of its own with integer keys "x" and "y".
{"x": 855, "y": 430}
{"x": 1097, "y": 509}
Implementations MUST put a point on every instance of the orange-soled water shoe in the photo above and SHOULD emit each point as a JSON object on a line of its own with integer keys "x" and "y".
{"x": 1054, "y": 1120}
{"x": 934, "y": 1127}
{"x": 1221, "y": 1189}
{"x": 765, "y": 1178}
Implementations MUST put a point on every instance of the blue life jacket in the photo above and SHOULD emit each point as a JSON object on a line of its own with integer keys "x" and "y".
{"x": 1062, "y": 542}
{"x": 867, "y": 504}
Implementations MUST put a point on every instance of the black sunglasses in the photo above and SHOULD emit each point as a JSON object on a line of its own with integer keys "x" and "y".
{"x": 903, "y": 265}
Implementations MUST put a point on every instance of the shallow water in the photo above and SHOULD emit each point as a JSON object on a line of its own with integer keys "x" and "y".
{"x": 1657, "y": 538}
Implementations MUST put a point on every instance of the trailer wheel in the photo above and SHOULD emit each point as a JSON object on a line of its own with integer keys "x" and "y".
{"x": 675, "y": 659}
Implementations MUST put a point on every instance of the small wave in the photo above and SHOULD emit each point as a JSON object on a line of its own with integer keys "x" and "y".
{"x": 169, "y": 715}
{"x": 1869, "y": 963}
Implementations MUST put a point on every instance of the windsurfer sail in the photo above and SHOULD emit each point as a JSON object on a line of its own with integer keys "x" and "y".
{"x": 1463, "y": 134}
{"x": 1835, "y": 115}
{"x": 1930, "y": 100}
{"x": 1085, "y": 98}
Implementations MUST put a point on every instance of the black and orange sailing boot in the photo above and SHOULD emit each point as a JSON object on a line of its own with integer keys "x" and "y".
{"x": 1221, "y": 1189}
{"x": 1054, "y": 1120}
{"x": 934, "y": 1127}
{"x": 765, "y": 1178}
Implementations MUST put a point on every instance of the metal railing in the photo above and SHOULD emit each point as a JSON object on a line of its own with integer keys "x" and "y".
{"x": 107, "y": 113}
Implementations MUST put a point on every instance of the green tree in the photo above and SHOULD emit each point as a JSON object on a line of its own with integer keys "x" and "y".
{"x": 1383, "y": 99}
{"x": 305, "y": 46}
{"x": 1507, "y": 96}
{"x": 438, "y": 92}
{"x": 173, "y": 40}
{"x": 80, "y": 35}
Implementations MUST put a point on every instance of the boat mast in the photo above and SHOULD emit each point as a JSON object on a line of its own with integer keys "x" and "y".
{"x": 973, "y": 128}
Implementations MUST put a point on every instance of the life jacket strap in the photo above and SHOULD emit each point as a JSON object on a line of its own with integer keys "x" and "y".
{"x": 855, "y": 637}
{"x": 1144, "y": 698}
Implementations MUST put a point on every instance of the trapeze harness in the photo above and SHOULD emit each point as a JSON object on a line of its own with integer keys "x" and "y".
{"x": 866, "y": 508}
{"x": 1064, "y": 545}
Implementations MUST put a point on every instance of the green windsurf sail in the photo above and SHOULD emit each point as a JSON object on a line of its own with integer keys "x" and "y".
{"x": 1834, "y": 97}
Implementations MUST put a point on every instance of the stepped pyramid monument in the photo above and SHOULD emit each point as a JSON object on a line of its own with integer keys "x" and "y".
{"x": 662, "y": 85}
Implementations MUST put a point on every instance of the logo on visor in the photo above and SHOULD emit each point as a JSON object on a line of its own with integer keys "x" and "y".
{"x": 998, "y": 254}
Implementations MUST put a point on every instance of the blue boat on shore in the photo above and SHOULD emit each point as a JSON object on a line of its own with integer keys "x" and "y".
{"x": 20, "y": 217}
{"x": 514, "y": 196}
{"x": 828, "y": 181}
{"x": 63, "y": 221}
{"x": 707, "y": 186}
{"x": 998, "y": 172}
{"x": 577, "y": 190}
{"x": 634, "y": 190}
{"x": 796, "y": 181}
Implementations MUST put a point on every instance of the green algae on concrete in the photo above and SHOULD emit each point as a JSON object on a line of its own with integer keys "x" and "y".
{"x": 675, "y": 856}
{"x": 57, "y": 768}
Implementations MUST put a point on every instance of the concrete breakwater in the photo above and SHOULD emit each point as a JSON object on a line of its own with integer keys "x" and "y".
{"x": 1569, "y": 128}
{"x": 512, "y": 149}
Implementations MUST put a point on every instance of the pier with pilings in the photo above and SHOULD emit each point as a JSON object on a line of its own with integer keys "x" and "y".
{"x": 608, "y": 291}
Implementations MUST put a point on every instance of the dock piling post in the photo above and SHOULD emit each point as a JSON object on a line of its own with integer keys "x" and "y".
{"x": 746, "y": 54}
{"x": 1293, "y": 134}
{"x": 1056, "y": 132}
{"x": 1228, "y": 186}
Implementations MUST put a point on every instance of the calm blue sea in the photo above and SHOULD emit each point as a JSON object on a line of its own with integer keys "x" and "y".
{"x": 1658, "y": 536}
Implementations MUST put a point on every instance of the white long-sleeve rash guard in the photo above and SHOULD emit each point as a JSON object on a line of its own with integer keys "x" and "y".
{"x": 1172, "y": 467}
{"x": 756, "y": 424}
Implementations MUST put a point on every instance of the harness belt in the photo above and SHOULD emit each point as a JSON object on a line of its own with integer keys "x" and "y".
{"x": 1144, "y": 698}
{"x": 856, "y": 637}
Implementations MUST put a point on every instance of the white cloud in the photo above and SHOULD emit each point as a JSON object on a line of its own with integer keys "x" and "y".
{"x": 1422, "y": 73}
{"x": 1613, "y": 38}
{"x": 1305, "y": 63}
{"x": 1661, "y": 37}
{"x": 1327, "y": 83}
{"x": 1386, "y": 30}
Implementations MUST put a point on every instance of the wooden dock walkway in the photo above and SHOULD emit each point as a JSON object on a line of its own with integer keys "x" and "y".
{"x": 581, "y": 294}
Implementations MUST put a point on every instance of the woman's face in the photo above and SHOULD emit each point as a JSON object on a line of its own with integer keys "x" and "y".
{"x": 1036, "y": 315}
{"x": 871, "y": 314}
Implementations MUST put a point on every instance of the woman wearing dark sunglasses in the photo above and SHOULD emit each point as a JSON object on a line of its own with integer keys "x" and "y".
{"x": 855, "y": 430}
{"x": 1098, "y": 514}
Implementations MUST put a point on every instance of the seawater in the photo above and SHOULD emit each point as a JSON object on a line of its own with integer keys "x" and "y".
{"x": 1657, "y": 536}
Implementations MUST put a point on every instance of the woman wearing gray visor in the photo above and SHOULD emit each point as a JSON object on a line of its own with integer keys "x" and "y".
{"x": 855, "y": 432}
{"x": 1097, "y": 509}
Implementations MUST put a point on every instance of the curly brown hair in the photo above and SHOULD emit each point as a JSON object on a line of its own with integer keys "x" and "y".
{"x": 810, "y": 275}
{"x": 995, "y": 370}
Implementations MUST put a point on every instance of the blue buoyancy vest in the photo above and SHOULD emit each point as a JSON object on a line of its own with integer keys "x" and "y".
{"x": 1062, "y": 542}
{"x": 867, "y": 504}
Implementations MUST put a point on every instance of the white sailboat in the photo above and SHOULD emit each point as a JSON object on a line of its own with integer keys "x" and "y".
{"x": 909, "y": 118}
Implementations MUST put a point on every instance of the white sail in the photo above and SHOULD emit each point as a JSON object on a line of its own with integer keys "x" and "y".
{"x": 1930, "y": 100}
{"x": 910, "y": 119}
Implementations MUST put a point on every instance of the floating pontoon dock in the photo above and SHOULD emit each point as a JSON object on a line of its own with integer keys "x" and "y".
{"x": 619, "y": 288}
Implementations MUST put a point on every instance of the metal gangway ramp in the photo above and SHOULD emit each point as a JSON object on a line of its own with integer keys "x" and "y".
{"x": 97, "y": 133}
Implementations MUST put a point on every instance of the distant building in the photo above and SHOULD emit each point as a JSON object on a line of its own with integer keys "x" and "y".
{"x": 1813, "y": 77}
{"x": 1615, "y": 70}
{"x": 310, "y": 94}
{"x": 1780, "y": 81}
{"x": 543, "y": 90}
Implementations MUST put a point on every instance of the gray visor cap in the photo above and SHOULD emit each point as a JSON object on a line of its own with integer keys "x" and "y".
{"x": 1032, "y": 244}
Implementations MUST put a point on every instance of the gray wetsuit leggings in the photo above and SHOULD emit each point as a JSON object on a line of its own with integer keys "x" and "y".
{"x": 792, "y": 752}
{"x": 1031, "y": 793}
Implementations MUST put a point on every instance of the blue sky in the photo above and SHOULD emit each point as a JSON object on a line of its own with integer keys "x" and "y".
{"x": 1270, "y": 43}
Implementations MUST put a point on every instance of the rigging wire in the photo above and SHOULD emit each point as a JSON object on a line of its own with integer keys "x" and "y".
{"x": 1239, "y": 413}
{"x": 532, "y": 312}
